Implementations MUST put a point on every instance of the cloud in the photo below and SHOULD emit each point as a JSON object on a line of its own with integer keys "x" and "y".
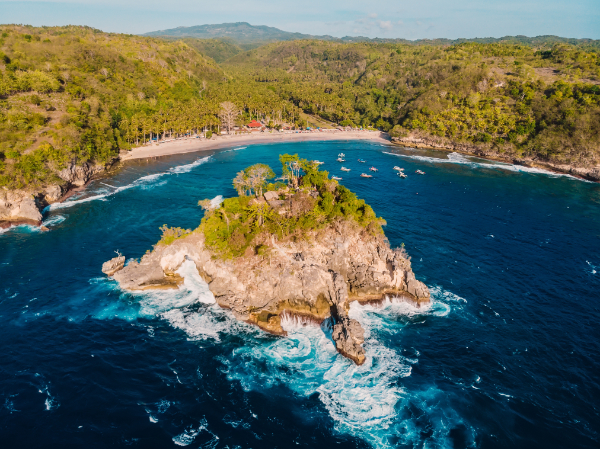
{"x": 385, "y": 24}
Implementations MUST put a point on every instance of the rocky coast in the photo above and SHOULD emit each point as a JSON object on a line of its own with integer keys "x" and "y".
{"x": 25, "y": 206}
{"x": 587, "y": 170}
{"x": 316, "y": 277}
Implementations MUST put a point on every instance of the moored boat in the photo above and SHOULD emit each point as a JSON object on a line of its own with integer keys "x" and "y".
{"x": 341, "y": 159}
{"x": 344, "y": 169}
{"x": 373, "y": 169}
{"x": 364, "y": 175}
{"x": 419, "y": 172}
{"x": 337, "y": 178}
{"x": 398, "y": 168}
{"x": 401, "y": 175}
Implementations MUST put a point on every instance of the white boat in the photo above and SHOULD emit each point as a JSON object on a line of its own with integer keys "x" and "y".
{"x": 341, "y": 155}
{"x": 337, "y": 178}
{"x": 419, "y": 172}
{"x": 373, "y": 169}
{"x": 364, "y": 175}
{"x": 402, "y": 175}
{"x": 341, "y": 160}
{"x": 318, "y": 162}
{"x": 344, "y": 169}
{"x": 398, "y": 168}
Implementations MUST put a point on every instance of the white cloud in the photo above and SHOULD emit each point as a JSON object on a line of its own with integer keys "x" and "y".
{"x": 385, "y": 24}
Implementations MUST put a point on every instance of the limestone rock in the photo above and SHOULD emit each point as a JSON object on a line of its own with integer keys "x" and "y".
{"x": 79, "y": 175}
{"x": 270, "y": 196}
{"x": 315, "y": 278}
{"x": 19, "y": 206}
{"x": 52, "y": 194}
{"x": 349, "y": 336}
{"x": 113, "y": 265}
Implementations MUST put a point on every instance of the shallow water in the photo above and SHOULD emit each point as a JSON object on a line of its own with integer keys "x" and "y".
{"x": 506, "y": 355}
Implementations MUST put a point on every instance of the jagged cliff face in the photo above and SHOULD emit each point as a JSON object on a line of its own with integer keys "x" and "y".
{"x": 25, "y": 206}
{"x": 316, "y": 277}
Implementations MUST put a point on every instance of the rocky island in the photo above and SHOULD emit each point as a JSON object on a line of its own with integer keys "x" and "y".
{"x": 304, "y": 247}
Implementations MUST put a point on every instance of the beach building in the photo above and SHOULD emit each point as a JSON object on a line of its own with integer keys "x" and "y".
{"x": 255, "y": 126}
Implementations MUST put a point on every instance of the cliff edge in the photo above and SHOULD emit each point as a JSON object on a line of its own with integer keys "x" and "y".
{"x": 306, "y": 249}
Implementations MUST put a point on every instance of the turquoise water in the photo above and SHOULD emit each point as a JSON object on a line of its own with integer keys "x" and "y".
{"x": 506, "y": 356}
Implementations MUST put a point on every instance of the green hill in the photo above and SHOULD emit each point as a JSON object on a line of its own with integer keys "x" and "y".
{"x": 218, "y": 49}
{"x": 69, "y": 94}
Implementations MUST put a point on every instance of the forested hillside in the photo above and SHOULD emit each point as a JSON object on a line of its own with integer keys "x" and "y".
{"x": 70, "y": 95}
{"x": 510, "y": 99}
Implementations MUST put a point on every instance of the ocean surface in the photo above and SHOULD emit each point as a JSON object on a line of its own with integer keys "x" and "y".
{"x": 506, "y": 356}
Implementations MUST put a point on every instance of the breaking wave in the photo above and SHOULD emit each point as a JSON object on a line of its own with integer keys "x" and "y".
{"x": 143, "y": 182}
{"x": 367, "y": 401}
{"x": 457, "y": 158}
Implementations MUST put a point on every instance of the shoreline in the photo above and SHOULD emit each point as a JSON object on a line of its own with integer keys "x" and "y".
{"x": 545, "y": 166}
{"x": 191, "y": 145}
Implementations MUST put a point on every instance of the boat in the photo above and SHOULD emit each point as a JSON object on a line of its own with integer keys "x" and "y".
{"x": 402, "y": 175}
{"x": 341, "y": 155}
{"x": 419, "y": 172}
{"x": 318, "y": 162}
{"x": 337, "y": 178}
{"x": 364, "y": 175}
{"x": 362, "y": 161}
{"x": 398, "y": 168}
{"x": 373, "y": 169}
{"x": 344, "y": 169}
{"x": 341, "y": 159}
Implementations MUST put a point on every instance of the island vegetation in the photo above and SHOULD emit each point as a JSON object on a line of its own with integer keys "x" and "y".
{"x": 70, "y": 95}
{"x": 306, "y": 200}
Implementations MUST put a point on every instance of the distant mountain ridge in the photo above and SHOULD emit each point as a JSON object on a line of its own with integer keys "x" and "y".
{"x": 249, "y": 36}
{"x": 239, "y": 32}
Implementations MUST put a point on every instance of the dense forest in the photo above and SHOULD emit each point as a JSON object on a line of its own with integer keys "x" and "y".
{"x": 76, "y": 94}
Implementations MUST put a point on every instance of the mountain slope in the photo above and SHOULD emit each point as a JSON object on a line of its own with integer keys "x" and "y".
{"x": 240, "y": 32}
{"x": 68, "y": 95}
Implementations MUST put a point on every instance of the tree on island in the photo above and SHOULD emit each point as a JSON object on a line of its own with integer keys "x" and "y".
{"x": 252, "y": 180}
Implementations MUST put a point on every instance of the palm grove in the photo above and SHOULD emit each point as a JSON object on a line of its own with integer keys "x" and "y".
{"x": 76, "y": 94}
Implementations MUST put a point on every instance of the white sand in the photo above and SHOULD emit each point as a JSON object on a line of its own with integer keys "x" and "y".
{"x": 189, "y": 145}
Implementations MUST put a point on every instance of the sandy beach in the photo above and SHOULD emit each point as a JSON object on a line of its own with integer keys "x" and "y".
{"x": 189, "y": 145}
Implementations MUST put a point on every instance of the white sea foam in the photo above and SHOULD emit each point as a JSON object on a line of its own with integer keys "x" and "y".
{"x": 54, "y": 220}
{"x": 143, "y": 182}
{"x": 191, "y": 432}
{"x": 368, "y": 401}
{"x": 234, "y": 149}
{"x": 457, "y": 158}
{"x": 187, "y": 437}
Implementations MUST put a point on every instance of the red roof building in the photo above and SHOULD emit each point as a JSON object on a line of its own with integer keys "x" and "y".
{"x": 254, "y": 124}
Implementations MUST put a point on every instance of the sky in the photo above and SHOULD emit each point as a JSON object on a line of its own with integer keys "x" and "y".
{"x": 414, "y": 19}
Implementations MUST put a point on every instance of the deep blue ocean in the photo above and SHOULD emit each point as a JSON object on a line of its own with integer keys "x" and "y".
{"x": 507, "y": 355}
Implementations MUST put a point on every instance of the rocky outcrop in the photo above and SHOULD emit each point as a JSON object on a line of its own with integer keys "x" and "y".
{"x": 79, "y": 175}
{"x": 316, "y": 277}
{"x": 24, "y": 207}
{"x": 113, "y": 265}
{"x": 417, "y": 140}
{"x": 18, "y": 207}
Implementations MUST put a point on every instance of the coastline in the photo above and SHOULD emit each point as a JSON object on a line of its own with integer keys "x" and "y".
{"x": 591, "y": 175}
{"x": 190, "y": 145}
